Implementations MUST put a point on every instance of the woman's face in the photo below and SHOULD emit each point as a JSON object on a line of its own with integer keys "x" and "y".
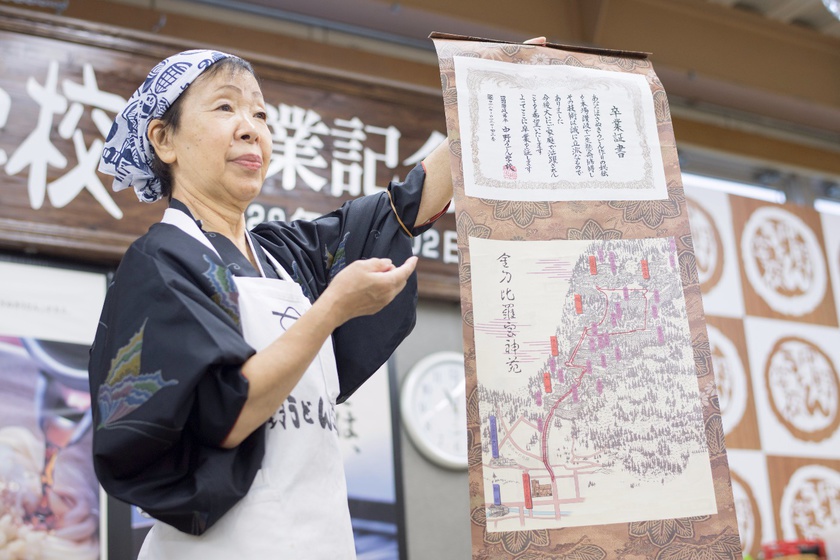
{"x": 222, "y": 146}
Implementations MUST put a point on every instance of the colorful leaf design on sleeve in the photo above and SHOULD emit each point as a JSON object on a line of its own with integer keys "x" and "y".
{"x": 336, "y": 263}
{"x": 126, "y": 388}
{"x": 226, "y": 295}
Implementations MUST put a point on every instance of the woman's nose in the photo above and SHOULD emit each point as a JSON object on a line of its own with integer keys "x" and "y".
{"x": 248, "y": 129}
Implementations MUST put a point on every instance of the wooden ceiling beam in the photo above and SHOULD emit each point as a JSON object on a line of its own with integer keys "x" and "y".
{"x": 746, "y": 50}
{"x": 590, "y": 17}
{"x": 552, "y": 18}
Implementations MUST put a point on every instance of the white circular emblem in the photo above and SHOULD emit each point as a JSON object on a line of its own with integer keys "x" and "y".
{"x": 804, "y": 389}
{"x": 730, "y": 379}
{"x": 747, "y": 514}
{"x": 783, "y": 261}
{"x": 708, "y": 248}
{"x": 810, "y": 503}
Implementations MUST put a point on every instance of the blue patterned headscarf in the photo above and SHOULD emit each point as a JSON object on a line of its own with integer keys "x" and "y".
{"x": 128, "y": 153}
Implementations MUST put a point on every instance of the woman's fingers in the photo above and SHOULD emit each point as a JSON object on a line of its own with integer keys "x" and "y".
{"x": 366, "y": 286}
{"x": 392, "y": 279}
{"x": 376, "y": 265}
{"x": 536, "y": 41}
{"x": 405, "y": 270}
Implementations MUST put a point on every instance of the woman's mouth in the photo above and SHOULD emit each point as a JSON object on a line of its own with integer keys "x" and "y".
{"x": 249, "y": 161}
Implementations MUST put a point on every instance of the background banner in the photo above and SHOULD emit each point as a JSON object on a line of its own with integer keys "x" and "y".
{"x": 769, "y": 278}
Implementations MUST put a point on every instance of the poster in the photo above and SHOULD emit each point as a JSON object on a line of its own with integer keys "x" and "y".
{"x": 50, "y": 497}
{"x": 366, "y": 427}
{"x": 594, "y": 424}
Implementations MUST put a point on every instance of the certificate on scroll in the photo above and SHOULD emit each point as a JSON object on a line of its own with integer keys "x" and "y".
{"x": 591, "y": 430}
{"x": 557, "y": 133}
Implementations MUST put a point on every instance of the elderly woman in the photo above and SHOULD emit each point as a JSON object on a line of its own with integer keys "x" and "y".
{"x": 221, "y": 353}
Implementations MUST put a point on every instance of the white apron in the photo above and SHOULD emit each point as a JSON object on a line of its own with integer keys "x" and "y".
{"x": 296, "y": 508}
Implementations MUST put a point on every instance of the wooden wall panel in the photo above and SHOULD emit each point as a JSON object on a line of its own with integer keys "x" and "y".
{"x": 52, "y": 204}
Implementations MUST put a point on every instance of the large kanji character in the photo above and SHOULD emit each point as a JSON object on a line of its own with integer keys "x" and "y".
{"x": 432, "y": 142}
{"x": 83, "y": 175}
{"x": 371, "y": 158}
{"x": 347, "y": 153}
{"x": 296, "y": 145}
{"x": 37, "y": 150}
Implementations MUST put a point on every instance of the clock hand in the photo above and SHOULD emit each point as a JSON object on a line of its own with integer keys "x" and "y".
{"x": 434, "y": 410}
{"x": 456, "y": 392}
{"x": 451, "y": 398}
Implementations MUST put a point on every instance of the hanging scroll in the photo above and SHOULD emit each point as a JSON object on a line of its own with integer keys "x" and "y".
{"x": 584, "y": 333}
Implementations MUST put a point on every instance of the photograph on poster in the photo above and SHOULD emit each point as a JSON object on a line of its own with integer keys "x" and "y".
{"x": 366, "y": 436}
{"x": 588, "y": 397}
{"x": 533, "y": 132}
{"x": 49, "y": 495}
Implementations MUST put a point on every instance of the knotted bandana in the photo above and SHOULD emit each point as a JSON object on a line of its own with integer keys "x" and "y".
{"x": 128, "y": 153}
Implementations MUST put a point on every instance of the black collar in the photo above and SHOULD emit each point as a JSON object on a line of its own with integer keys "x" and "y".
{"x": 236, "y": 262}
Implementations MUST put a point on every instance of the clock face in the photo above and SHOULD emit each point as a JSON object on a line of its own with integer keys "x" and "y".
{"x": 434, "y": 411}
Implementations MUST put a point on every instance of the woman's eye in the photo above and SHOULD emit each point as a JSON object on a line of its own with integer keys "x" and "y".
{"x": 225, "y": 107}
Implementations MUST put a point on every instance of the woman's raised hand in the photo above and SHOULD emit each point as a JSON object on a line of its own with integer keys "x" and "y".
{"x": 366, "y": 286}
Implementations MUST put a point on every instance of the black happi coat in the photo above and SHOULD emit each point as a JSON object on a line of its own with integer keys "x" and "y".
{"x": 165, "y": 367}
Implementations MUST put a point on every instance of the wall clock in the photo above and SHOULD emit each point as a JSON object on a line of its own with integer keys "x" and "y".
{"x": 434, "y": 409}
